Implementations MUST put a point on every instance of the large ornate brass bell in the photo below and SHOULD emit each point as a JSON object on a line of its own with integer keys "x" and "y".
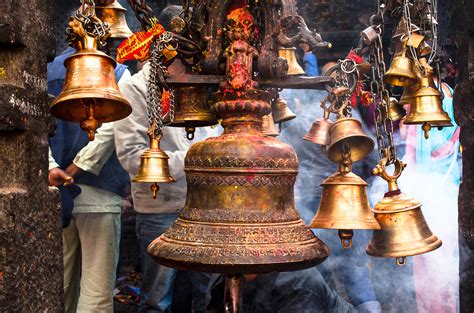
{"x": 192, "y": 109}
{"x": 240, "y": 215}
{"x": 344, "y": 204}
{"x": 268, "y": 126}
{"x": 90, "y": 94}
{"x": 154, "y": 167}
{"x": 348, "y": 131}
{"x": 404, "y": 229}
{"x": 294, "y": 67}
{"x": 401, "y": 71}
{"x": 281, "y": 112}
{"x": 319, "y": 131}
{"x": 114, "y": 15}
{"x": 426, "y": 105}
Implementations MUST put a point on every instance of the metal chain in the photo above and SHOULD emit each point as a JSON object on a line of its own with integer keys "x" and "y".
{"x": 381, "y": 98}
{"x": 156, "y": 83}
{"x": 91, "y": 23}
{"x": 143, "y": 12}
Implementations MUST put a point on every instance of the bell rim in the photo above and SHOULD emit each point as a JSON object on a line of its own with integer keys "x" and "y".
{"x": 90, "y": 52}
{"x": 326, "y": 223}
{"x": 192, "y": 121}
{"x": 434, "y": 243}
{"x": 284, "y": 119}
{"x": 153, "y": 179}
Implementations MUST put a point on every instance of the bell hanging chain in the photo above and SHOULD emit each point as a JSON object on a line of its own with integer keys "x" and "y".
{"x": 143, "y": 12}
{"x": 90, "y": 23}
{"x": 381, "y": 98}
{"x": 156, "y": 84}
{"x": 346, "y": 79}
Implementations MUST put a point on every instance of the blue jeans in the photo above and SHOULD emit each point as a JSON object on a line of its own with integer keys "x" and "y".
{"x": 157, "y": 280}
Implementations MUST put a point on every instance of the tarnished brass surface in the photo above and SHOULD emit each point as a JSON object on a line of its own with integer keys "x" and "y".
{"x": 114, "y": 15}
{"x": 404, "y": 229}
{"x": 289, "y": 54}
{"x": 348, "y": 131}
{"x": 240, "y": 215}
{"x": 408, "y": 93}
{"x": 192, "y": 108}
{"x": 395, "y": 110}
{"x": 90, "y": 82}
{"x": 401, "y": 71}
{"x": 344, "y": 204}
{"x": 281, "y": 112}
{"x": 319, "y": 132}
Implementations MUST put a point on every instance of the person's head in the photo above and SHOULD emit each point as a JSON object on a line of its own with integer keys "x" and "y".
{"x": 168, "y": 13}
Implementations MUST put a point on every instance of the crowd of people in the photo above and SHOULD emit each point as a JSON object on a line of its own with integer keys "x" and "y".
{"x": 94, "y": 176}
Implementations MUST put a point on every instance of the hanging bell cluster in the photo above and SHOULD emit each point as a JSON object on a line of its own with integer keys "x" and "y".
{"x": 192, "y": 109}
{"x": 404, "y": 231}
{"x": 90, "y": 95}
{"x": 416, "y": 76}
{"x": 154, "y": 167}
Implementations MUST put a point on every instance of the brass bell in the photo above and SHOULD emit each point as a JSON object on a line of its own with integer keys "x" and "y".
{"x": 114, "y": 15}
{"x": 319, "y": 132}
{"x": 154, "y": 167}
{"x": 344, "y": 205}
{"x": 293, "y": 66}
{"x": 395, "y": 110}
{"x": 239, "y": 217}
{"x": 404, "y": 229}
{"x": 90, "y": 94}
{"x": 192, "y": 109}
{"x": 408, "y": 94}
{"x": 401, "y": 71}
{"x": 348, "y": 131}
{"x": 281, "y": 112}
{"x": 426, "y": 105}
{"x": 268, "y": 126}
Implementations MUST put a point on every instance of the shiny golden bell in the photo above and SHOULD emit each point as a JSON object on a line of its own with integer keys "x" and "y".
{"x": 344, "y": 205}
{"x": 401, "y": 71}
{"x": 404, "y": 229}
{"x": 426, "y": 104}
{"x": 395, "y": 110}
{"x": 408, "y": 94}
{"x": 293, "y": 66}
{"x": 348, "y": 131}
{"x": 90, "y": 94}
{"x": 114, "y": 15}
{"x": 192, "y": 109}
{"x": 281, "y": 112}
{"x": 319, "y": 132}
{"x": 154, "y": 167}
{"x": 268, "y": 126}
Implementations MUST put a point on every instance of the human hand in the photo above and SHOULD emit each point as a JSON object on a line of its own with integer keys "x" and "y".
{"x": 73, "y": 170}
{"x": 57, "y": 177}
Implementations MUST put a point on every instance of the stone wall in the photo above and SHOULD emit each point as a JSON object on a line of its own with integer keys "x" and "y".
{"x": 462, "y": 27}
{"x": 30, "y": 218}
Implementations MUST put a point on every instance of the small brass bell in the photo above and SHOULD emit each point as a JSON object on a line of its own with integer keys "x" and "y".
{"x": 90, "y": 94}
{"x": 114, "y": 15}
{"x": 281, "y": 112}
{"x": 395, "y": 110}
{"x": 293, "y": 66}
{"x": 154, "y": 167}
{"x": 344, "y": 205}
{"x": 404, "y": 229}
{"x": 401, "y": 71}
{"x": 426, "y": 105}
{"x": 408, "y": 94}
{"x": 348, "y": 131}
{"x": 268, "y": 126}
{"x": 319, "y": 131}
{"x": 192, "y": 109}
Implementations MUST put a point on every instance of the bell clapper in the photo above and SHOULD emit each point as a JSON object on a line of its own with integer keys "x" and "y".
{"x": 346, "y": 237}
{"x": 232, "y": 296}
{"x": 190, "y": 132}
{"x": 154, "y": 190}
{"x": 401, "y": 261}
{"x": 426, "y": 128}
{"x": 90, "y": 124}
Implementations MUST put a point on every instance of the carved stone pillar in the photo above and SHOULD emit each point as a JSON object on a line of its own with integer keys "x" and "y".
{"x": 31, "y": 271}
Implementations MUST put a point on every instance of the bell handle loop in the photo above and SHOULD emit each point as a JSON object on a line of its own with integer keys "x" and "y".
{"x": 401, "y": 261}
{"x": 190, "y": 132}
{"x": 346, "y": 243}
{"x": 232, "y": 293}
{"x": 381, "y": 170}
